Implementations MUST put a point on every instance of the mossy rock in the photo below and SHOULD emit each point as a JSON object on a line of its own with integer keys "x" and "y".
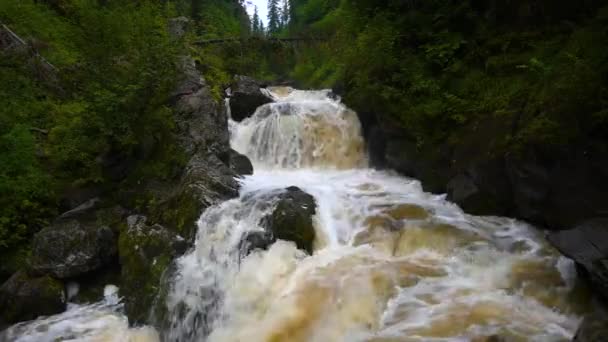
{"x": 24, "y": 297}
{"x": 145, "y": 253}
{"x": 292, "y": 218}
{"x": 72, "y": 247}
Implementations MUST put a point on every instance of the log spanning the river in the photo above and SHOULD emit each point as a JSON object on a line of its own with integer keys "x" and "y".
{"x": 271, "y": 39}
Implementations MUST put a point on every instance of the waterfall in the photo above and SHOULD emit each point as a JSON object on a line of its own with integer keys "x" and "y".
{"x": 390, "y": 262}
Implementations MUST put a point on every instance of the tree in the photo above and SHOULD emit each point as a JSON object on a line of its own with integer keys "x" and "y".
{"x": 274, "y": 17}
{"x": 285, "y": 10}
{"x": 255, "y": 21}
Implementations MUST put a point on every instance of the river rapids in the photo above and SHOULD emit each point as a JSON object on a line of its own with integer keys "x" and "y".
{"x": 390, "y": 262}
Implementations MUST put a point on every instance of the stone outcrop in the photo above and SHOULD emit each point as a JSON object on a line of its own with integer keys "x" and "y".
{"x": 70, "y": 248}
{"x": 554, "y": 188}
{"x": 291, "y": 220}
{"x": 246, "y": 97}
{"x": 240, "y": 164}
{"x": 24, "y": 297}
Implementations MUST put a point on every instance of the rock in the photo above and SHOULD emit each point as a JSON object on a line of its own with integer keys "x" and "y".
{"x": 482, "y": 189}
{"x": 23, "y": 297}
{"x": 178, "y": 27}
{"x": 240, "y": 164}
{"x": 81, "y": 209}
{"x": 587, "y": 245}
{"x": 246, "y": 97}
{"x": 255, "y": 240}
{"x": 207, "y": 181}
{"x": 72, "y": 247}
{"x": 202, "y": 124}
{"x": 291, "y": 219}
{"x": 594, "y": 327}
{"x": 560, "y": 188}
{"x": 145, "y": 252}
{"x": 423, "y": 164}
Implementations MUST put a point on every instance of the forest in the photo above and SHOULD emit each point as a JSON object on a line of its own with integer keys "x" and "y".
{"x": 87, "y": 96}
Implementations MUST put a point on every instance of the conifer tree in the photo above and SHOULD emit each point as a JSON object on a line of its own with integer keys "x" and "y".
{"x": 274, "y": 17}
{"x": 285, "y": 14}
{"x": 255, "y": 29}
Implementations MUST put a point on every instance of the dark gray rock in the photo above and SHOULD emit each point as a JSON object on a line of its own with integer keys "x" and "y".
{"x": 71, "y": 247}
{"x": 587, "y": 245}
{"x": 559, "y": 188}
{"x": 202, "y": 133}
{"x": 255, "y": 240}
{"x": 291, "y": 219}
{"x": 246, "y": 97}
{"x": 594, "y": 327}
{"x": 481, "y": 189}
{"x": 402, "y": 155}
{"x": 240, "y": 164}
{"x": 23, "y": 297}
{"x": 202, "y": 123}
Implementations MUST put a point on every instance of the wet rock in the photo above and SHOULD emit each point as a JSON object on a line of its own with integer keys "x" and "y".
{"x": 145, "y": 252}
{"x": 71, "y": 247}
{"x": 23, "y": 297}
{"x": 402, "y": 155}
{"x": 255, "y": 240}
{"x": 594, "y": 327}
{"x": 587, "y": 245}
{"x": 291, "y": 220}
{"x": 560, "y": 188}
{"x": 481, "y": 189}
{"x": 246, "y": 97}
{"x": 240, "y": 164}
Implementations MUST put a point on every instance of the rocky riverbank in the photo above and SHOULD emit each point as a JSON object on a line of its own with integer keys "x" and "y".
{"x": 561, "y": 189}
{"x": 131, "y": 241}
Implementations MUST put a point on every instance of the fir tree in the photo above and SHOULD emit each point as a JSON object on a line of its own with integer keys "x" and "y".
{"x": 274, "y": 17}
{"x": 285, "y": 14}
{"x": 255, "y": 21}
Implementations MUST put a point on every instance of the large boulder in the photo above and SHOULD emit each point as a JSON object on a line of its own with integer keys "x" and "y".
{"x": 240, "y": 164}
{"x": 145, "y": 252}
{"x": 587, "y": 245}
{"x": 291, "y": 220}
{"x": 246, "y": 97}
{"x": 73, "y": 246}
{"x": 23, "y": 297}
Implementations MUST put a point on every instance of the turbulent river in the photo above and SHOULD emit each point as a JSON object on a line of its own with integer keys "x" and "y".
{"x": 390, "y": 262}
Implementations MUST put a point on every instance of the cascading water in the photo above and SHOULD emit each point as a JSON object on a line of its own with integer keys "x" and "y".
{"x": 391, "y": 263}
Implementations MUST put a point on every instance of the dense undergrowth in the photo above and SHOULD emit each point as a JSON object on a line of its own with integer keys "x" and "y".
{"x": 437, "y": 66}
{"x": 98, "y": 113}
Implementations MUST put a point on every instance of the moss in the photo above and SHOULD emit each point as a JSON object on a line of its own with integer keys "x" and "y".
{"x": 145, "y": 253}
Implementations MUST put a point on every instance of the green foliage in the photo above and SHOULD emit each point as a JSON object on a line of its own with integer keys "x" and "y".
{"x": 440, "y": 66}
{"x": 115, "y": 68}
